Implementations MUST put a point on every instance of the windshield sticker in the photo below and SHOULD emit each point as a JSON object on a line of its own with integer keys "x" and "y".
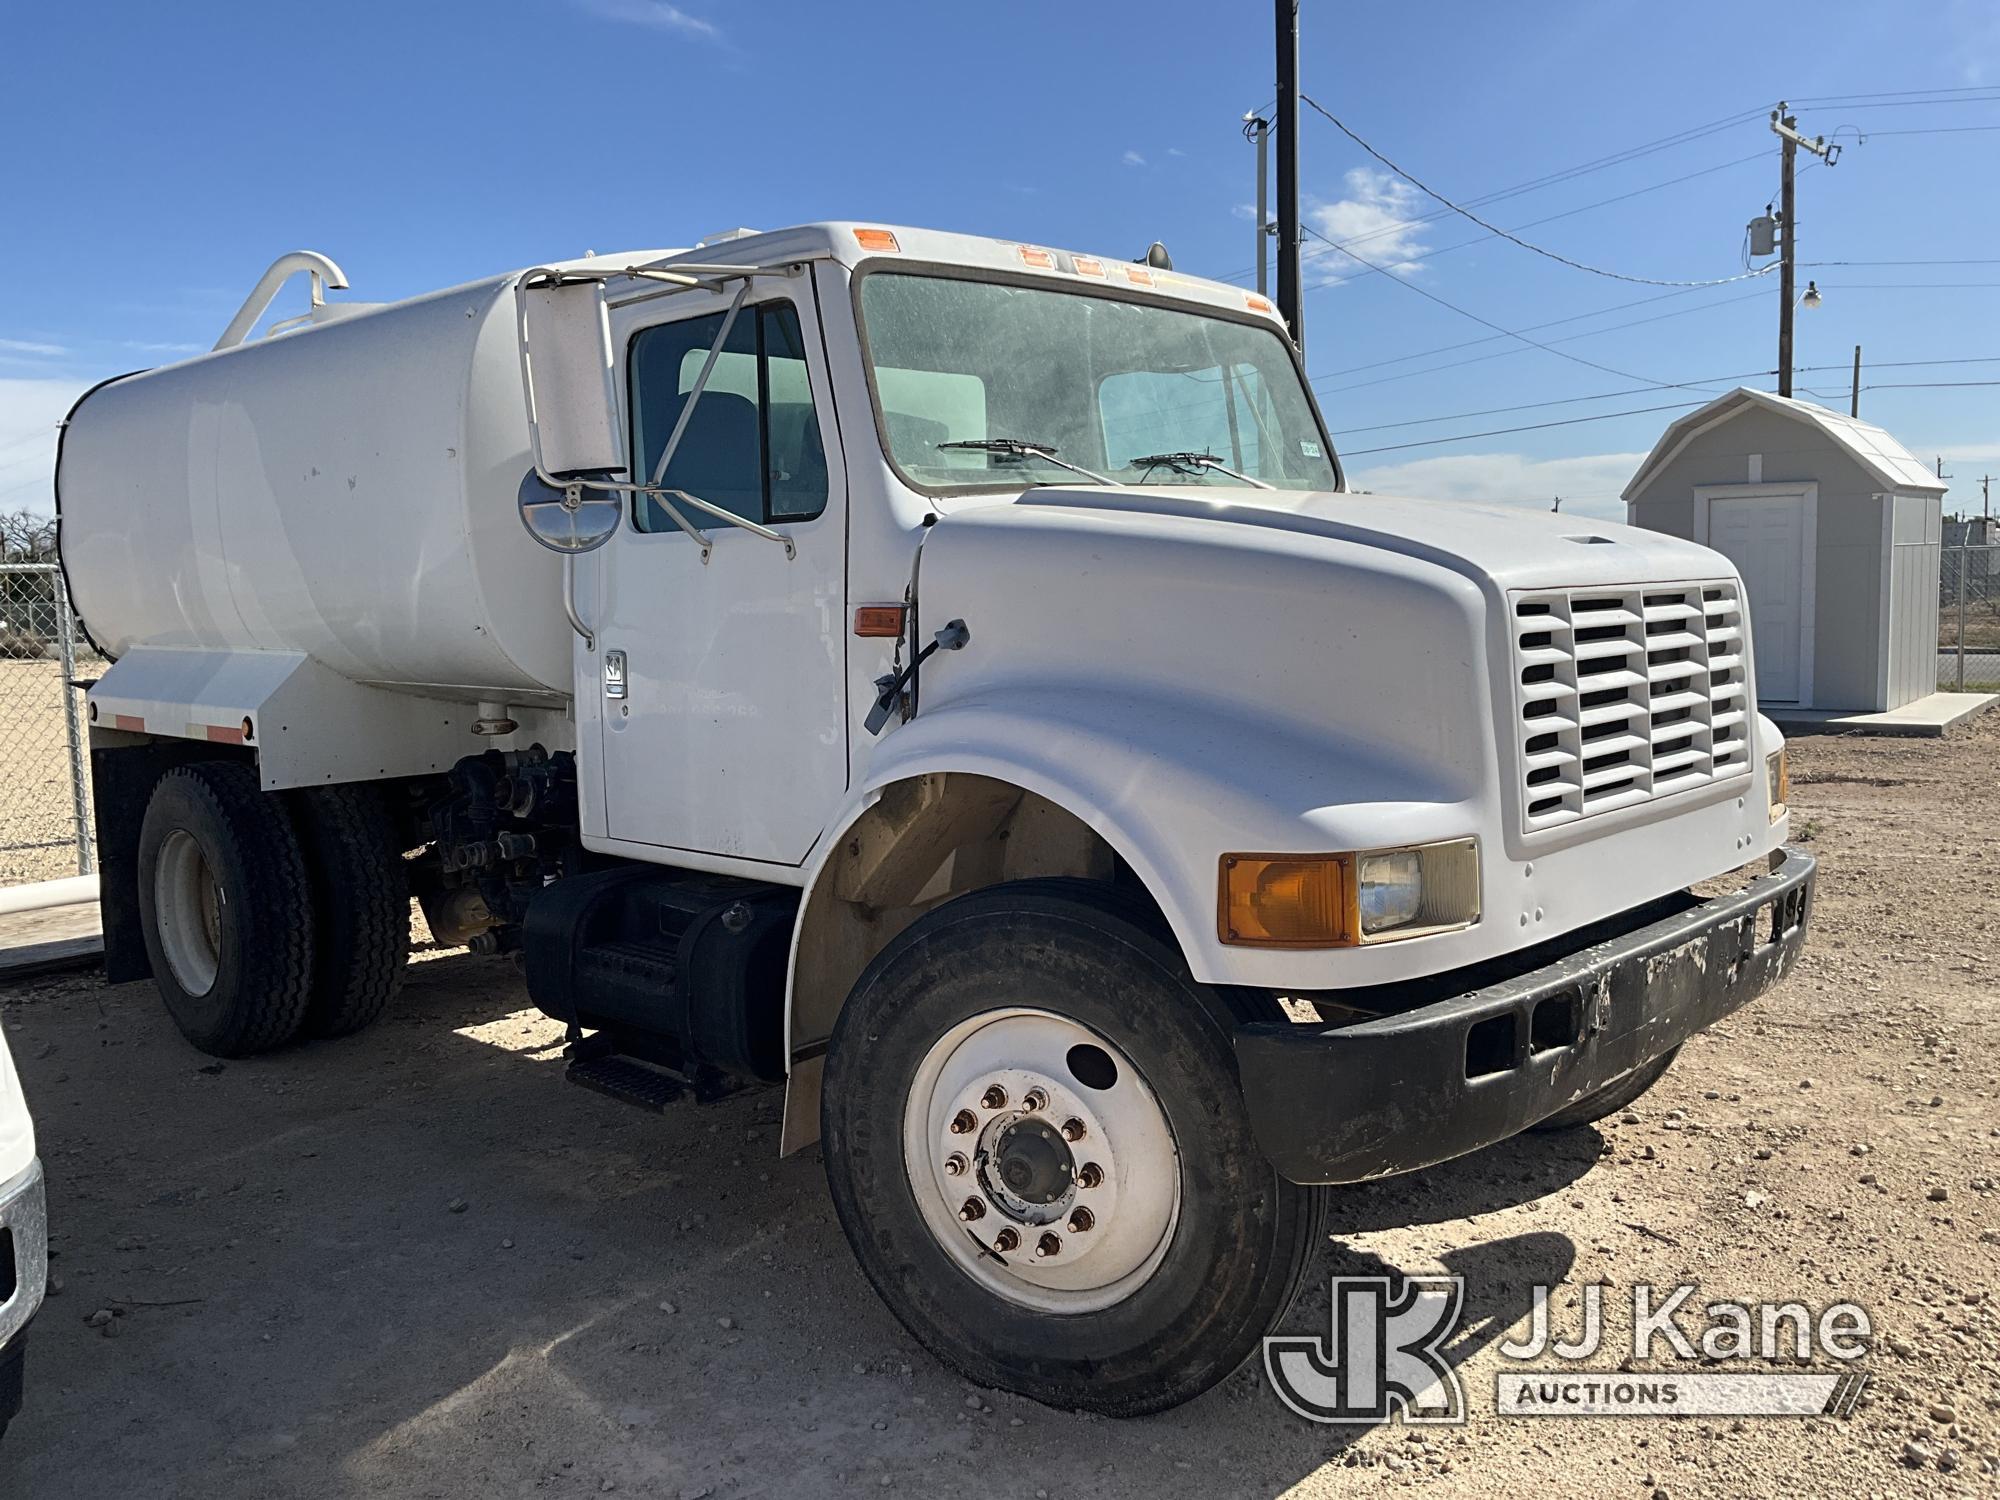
{"x": 1308, "y": 448}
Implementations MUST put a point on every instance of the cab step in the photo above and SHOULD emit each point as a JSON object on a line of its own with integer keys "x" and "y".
{"x": 628, "y": 1080}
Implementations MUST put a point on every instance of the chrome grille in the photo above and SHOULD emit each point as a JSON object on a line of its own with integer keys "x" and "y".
{"x": 1626, "y": 694}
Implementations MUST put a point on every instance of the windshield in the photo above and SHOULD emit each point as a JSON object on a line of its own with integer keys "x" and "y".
{"x": 1106, "y": 385}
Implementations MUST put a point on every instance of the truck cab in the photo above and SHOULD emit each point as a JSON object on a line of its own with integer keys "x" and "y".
{"x": 947, "y": 677}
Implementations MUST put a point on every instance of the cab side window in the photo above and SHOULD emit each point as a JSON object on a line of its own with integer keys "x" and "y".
{"x": 753, "y": 444}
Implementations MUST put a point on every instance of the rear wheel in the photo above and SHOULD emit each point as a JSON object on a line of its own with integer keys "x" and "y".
{"x": 361, "y": 905}
{"x": 1038, "y": 1148}
{"x": 225, "y": 910}
{"x": 1611, "y": 1098}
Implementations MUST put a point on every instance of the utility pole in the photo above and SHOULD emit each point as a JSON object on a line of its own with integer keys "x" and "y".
{"x": 1786, "y": 128}
{"x": 1854, "y": 401}
{"x": 1291, "y": 305}
{"x": 1258, "y": 129}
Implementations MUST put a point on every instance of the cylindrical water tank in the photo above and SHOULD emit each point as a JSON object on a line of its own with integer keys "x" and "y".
{"x": 346, "y": 490}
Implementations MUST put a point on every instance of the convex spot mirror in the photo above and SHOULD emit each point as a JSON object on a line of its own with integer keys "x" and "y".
{"x": 570, "y": 520}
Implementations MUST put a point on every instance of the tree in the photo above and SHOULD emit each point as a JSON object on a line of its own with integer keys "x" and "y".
{"x": 27, "y": 536}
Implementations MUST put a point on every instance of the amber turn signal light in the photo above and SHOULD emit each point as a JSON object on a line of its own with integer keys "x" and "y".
{"x": 1287, "y": 901}
{"x": 878, "y": 620}
{"x": 876, "y": 239}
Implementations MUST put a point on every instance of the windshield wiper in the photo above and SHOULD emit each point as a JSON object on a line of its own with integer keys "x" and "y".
{"x": 1190, "y": 463}
{"x": 1019, "y": 449}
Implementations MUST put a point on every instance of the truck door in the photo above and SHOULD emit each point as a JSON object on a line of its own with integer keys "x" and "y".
{"x": 727, "y": 732}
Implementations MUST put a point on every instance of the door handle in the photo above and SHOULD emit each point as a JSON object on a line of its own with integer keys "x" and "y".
{"x": 614, "y": 674}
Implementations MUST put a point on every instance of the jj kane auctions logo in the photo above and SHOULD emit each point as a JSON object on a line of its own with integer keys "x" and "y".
{"x": 1384, "y": 1356}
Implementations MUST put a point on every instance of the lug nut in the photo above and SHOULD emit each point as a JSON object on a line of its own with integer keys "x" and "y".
{"x": 1081, "y": 1220}
{"x": 1034, "y": 1099}
{"x": 994, "y": 1098}
{"x": 1072, "y": 1129}
{"x": 964, "y": 1122}
{"x": 1007, "y": 1241}
{"x": 955, "y": 1165}
{"x": 972, "y": 1208}
{"x": 1048, "y": 1245}
{"x": 1089, "y": 1175}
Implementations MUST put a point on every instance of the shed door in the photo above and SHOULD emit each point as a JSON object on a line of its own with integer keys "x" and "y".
{"x": 1765, "y": 538}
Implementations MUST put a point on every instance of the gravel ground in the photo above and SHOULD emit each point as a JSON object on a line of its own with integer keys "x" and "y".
{"x": 414, "y": 1263}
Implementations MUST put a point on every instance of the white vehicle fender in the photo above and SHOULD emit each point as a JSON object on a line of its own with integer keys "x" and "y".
{"x": 1171, "y": 788}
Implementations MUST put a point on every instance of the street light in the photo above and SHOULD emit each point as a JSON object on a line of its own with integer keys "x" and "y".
{"x": 1811, "y": 297}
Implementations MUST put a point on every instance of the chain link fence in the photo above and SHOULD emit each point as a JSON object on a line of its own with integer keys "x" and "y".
{"x": 45, "y": 789}
{"x": 1969, "y": 620}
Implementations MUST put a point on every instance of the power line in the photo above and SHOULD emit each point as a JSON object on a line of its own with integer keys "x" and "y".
{"x": 1582, "y": 169}
{"x": 1568, "y": 213}
{"x": 1527, "y": 328}
{"x": 1475, "y": 317}
{"x": 1904, "y": 94}
{"x": 1932, "y": 130}
{"x": 1509, "y": 235}
{"x": 1603, "y": 416}
{"x": 1491, "y": 411}
{"x": 1991, "y": 97}
{"x": 1902, "y": 262}
{"x": 1929, "y": 385}
{"x": 1494, "y": 411}
{"x": 1503, "y": 353}
{"x": 1905, "y": 286}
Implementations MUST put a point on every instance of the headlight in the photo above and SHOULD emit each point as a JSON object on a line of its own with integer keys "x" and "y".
{"x": 1392, "y": 890}
{"x": 1778, "y": 782}
{"x": 1342, "y": 900}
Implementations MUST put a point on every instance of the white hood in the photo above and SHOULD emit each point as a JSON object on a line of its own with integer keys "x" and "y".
{"x": 1512, "y": 547}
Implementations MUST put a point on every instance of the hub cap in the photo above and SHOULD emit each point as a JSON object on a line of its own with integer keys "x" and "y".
{"x": 187, "y": 906}
{"x": 1041, "y": 1161}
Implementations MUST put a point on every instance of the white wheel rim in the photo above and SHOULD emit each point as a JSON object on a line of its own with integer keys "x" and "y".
{"x": 997, "y": 1099}
{"x": 187, "y": 907}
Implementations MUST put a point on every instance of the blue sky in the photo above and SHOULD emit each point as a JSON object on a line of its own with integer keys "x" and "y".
{"x": 160, "y": 156}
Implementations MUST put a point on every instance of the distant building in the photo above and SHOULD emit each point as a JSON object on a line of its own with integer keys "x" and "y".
{"x": 1836, "y": 529}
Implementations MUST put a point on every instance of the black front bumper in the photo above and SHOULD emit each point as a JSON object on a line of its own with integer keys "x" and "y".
{"x": 1347, "y": 1102}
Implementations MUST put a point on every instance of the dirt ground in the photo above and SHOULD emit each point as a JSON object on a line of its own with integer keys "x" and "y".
{"x": 415, "y": 1263}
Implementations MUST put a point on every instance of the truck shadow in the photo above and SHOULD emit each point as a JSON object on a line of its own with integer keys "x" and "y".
{"x": 414, "y": 1261}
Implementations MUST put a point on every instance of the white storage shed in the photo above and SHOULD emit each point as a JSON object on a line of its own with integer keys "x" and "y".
{"x": 1835, "y": 527}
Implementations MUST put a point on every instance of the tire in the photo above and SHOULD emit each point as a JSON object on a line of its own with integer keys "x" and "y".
{"x": 225, "y": 909}
{"x": 1234, "y": 1250}
{"x": 361, "y": 905}
{"x": 1610, "y": 1099}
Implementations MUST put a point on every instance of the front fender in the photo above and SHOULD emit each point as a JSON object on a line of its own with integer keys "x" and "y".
{"x": 1172, "y": 789}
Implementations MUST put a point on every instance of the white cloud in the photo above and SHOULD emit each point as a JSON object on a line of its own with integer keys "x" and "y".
{"x": 1133, "y": 159}
{"x": 149, "y": 348}
{"x": 1175, "y": 151}
{"x": 1378, "y": 215}
{"x": 657, "y": 14}
{"x": 1589, "y": 483}
{"x": 24, "y": 346}
{"x": 29, "y": 411}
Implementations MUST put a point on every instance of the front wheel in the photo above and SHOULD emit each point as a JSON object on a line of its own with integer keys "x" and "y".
{"x": 1039, "y": 1150}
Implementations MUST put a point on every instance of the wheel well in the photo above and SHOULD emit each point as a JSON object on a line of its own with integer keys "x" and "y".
{"x": 924, "y": 841}
{"x": 122, "y": 777}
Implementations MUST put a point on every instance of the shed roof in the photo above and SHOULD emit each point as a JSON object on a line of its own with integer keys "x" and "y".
{"x": 1893, "y": 466}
